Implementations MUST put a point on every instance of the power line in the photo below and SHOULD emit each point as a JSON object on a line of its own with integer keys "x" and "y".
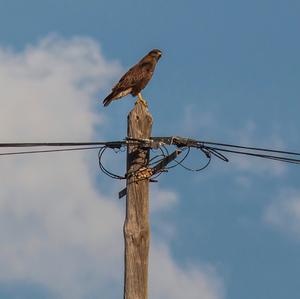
{"x": 250, "y": 148}
{"x": 207, "y": 147}
{"x": 49, "y": 151}
{"x": 214, "y": 149}
{"x": 270, "y": 157}
{"x": 58, "y": 144}
{"x": 75, "y": 146}
{"x": 251, "y": 151}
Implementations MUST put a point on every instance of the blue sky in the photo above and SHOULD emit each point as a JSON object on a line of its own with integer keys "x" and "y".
{"x": 230, "y": 72}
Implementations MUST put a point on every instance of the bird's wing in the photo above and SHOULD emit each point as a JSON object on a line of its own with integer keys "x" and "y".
{"x": 131, "y": 77}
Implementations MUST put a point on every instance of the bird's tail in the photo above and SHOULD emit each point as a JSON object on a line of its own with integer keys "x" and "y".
{"x": 108, "y": 99}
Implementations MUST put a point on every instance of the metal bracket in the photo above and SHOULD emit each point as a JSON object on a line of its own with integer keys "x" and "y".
{"x": 146, "y": 173}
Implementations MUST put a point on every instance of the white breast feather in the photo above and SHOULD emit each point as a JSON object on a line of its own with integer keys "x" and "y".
{"x": 124, "y": 93}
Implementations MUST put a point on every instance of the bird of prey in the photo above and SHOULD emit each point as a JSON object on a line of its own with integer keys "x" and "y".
{"x": 136, "y": 79}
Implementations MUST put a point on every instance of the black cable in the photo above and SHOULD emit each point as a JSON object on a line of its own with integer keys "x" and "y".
{"x": 208, "y": 151}
{"x": 208, "y": 148}
{"x": 196, "y": 169}
{"x": 271, "y": 157}
{"x": 154, "y": 160}
{"x": 249, "y": 148}
{"x": 48, "y": 151}
{"x": 104, "y": 169}
{"x": 188, "y": 149}
{"x": 57, "y": 144}
{"x": 180, "y": 162}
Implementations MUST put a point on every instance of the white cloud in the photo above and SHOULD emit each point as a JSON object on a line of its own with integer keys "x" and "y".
{"x": 247, "y": 136}
{"x": 56, "y": 228}
{"x": 284, "y": 212}
{"x": 48, "y": 87}
{"x": 178, "y": 283}
{"x": 162, "y": 199}
{"x": 209, "y": 124}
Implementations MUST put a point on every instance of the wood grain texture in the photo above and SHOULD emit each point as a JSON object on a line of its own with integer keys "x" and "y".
{"x": 136, "y": 226}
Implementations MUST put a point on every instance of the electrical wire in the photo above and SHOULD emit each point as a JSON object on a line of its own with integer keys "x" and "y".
{"x": 248, "y": 148}
{"x": 104, "y": 169}
{"x": 180, "y": 163}
{"x": 161, "y": 152}
{"x": 187, "y": 149}
{"x": 270, "y": 157}
{"x": 64, "y": 144}
{"x": 48, "y": 151}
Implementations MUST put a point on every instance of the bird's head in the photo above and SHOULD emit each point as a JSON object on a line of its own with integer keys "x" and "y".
{"x": 155, "y": 53}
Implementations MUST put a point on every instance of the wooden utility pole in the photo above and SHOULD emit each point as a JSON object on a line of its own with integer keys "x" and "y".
{"x": 136, "y": 226}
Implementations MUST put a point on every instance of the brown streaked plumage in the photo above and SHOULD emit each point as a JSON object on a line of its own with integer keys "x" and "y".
{"x": 136, "y": 79}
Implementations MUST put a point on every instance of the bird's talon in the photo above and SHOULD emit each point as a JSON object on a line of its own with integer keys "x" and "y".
{"x": 142, "y": 101}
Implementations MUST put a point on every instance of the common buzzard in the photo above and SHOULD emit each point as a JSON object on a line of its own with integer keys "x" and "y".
{"x": 136, "y": 79}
